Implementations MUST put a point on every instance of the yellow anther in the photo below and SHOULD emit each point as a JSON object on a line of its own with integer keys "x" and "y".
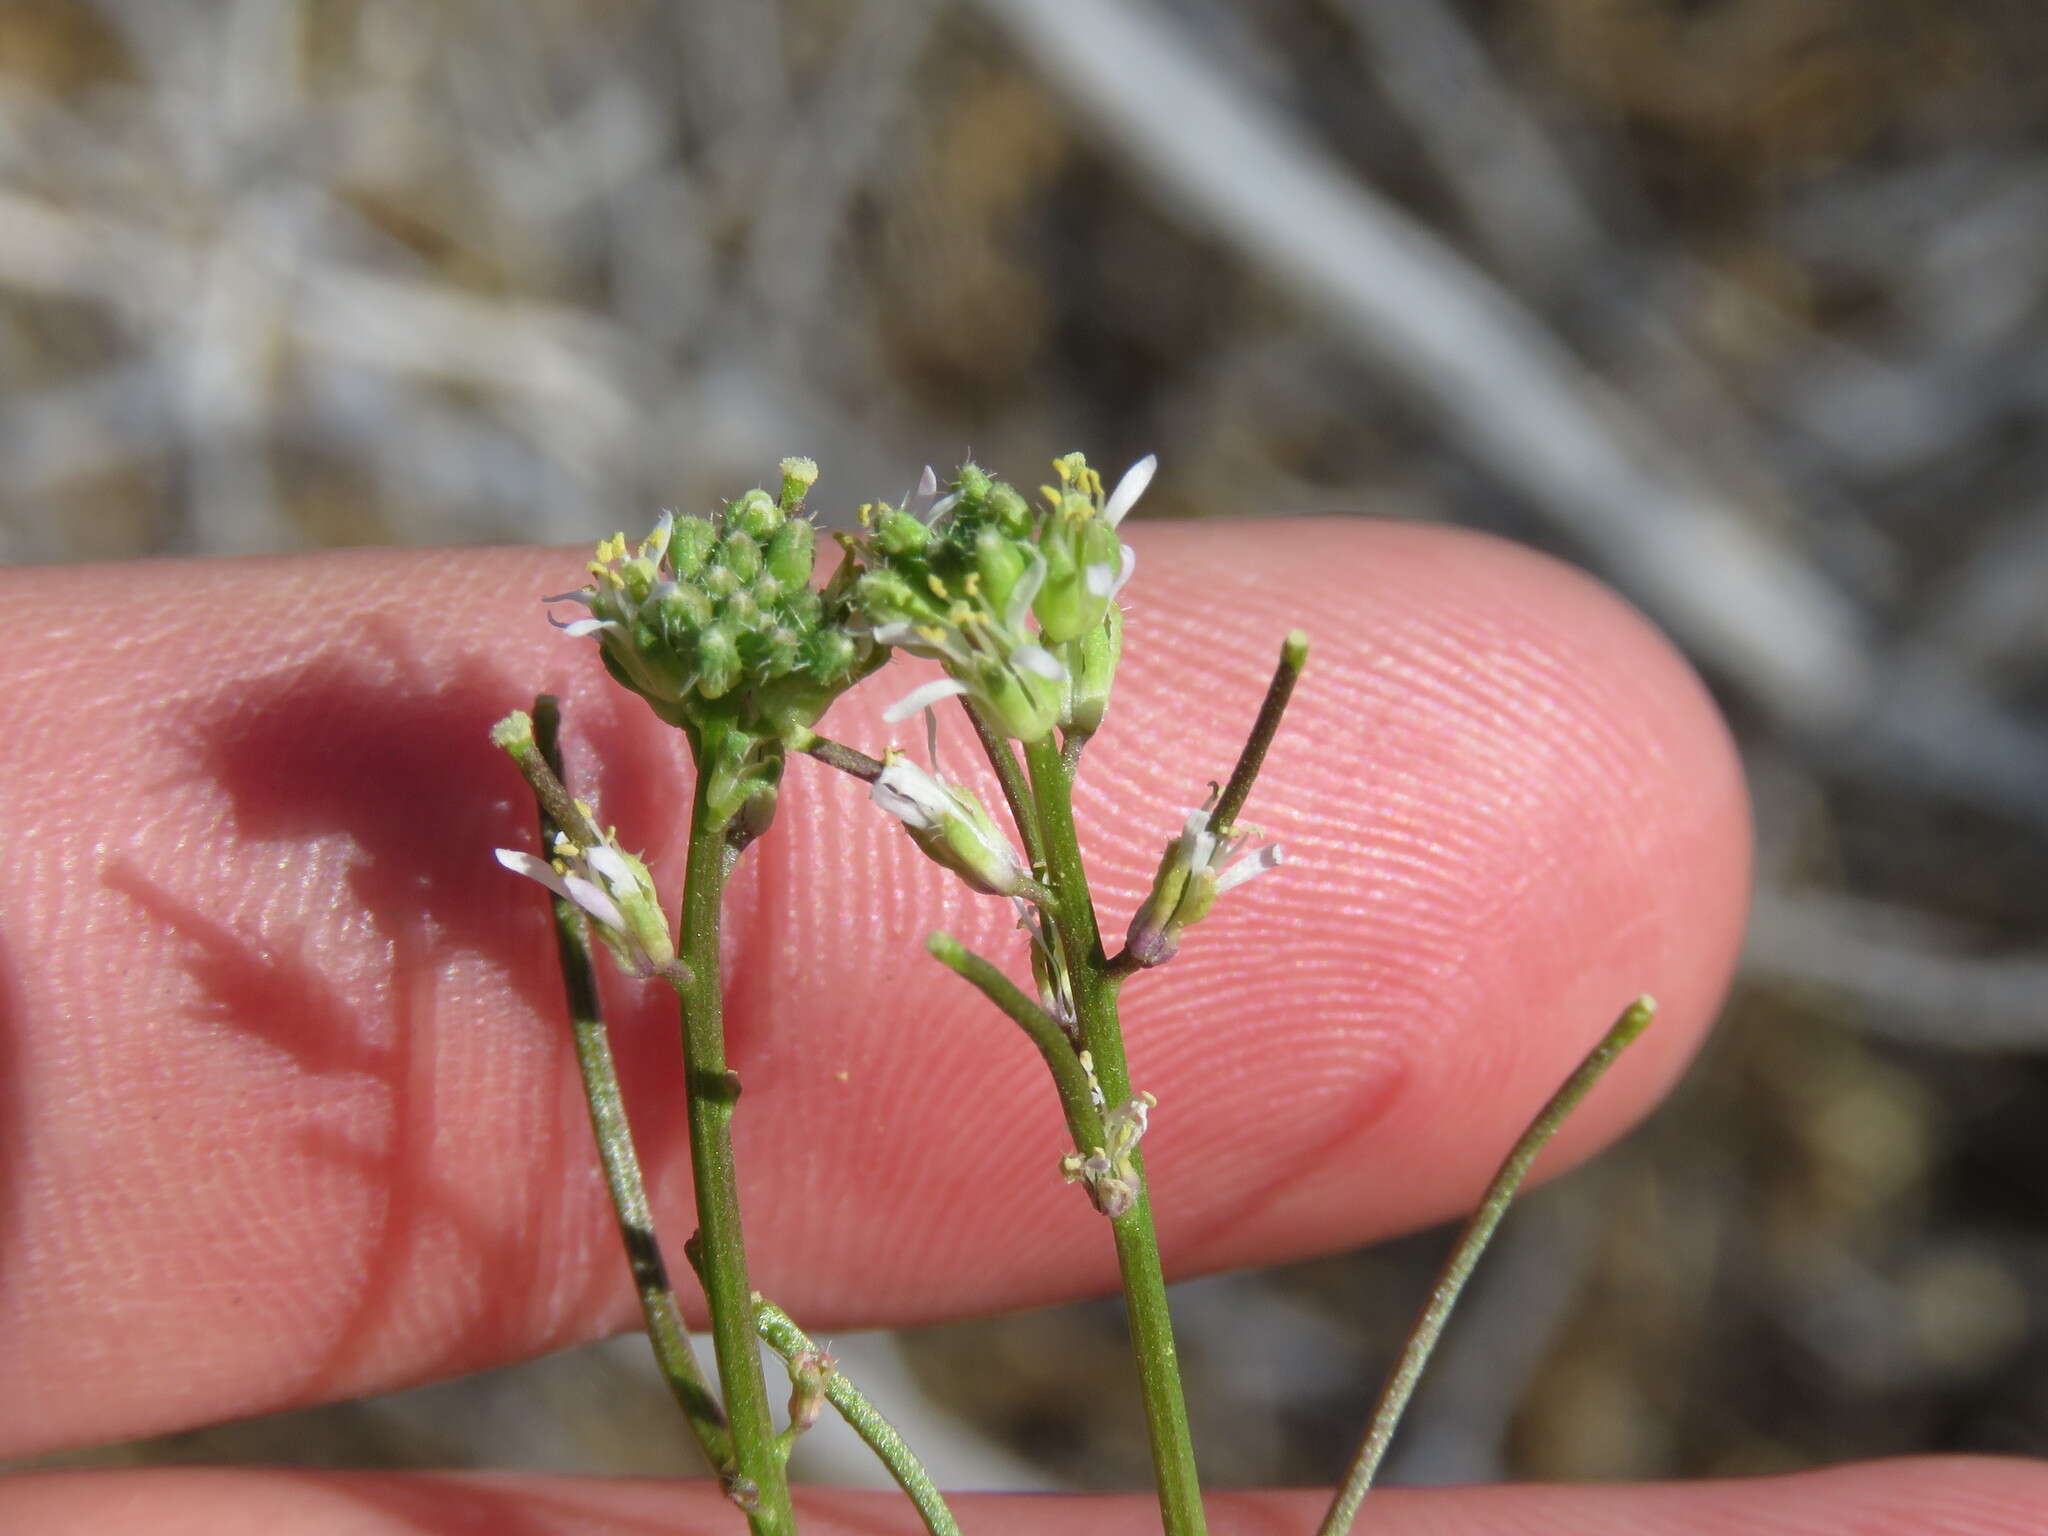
{"x": 938, "y": 587}
{"x": 972, "y": 585}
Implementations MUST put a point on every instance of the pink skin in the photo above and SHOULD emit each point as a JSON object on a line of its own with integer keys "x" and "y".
{"x": 291, "y": 1114}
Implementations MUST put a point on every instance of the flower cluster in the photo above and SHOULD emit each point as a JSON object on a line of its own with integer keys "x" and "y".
{"x": 1015, "y": 601}
{"x": 715, "y": 623}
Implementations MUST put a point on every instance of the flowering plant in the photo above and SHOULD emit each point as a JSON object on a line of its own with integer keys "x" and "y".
{"x": 719, "y": 624}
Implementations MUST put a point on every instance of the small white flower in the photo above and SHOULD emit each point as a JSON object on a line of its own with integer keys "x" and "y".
{"x": 1196, "y": 868}
{"x": 951, "y": 825}
{"x": 612, "y": 889}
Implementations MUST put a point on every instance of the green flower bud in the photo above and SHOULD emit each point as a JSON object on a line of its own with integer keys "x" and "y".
{"x": 740, "y": 613}
{"x": 829, "y": 655}
{"x": 888, "y": 596}
{"x": 1063, "y": 605}
{"x": 657, "y": 666}
{"x": 718, "y": 661}
{"x": 739, "y": 553}
{"x": 1008, "y": 510}
{"x": 900, "y": 534}
{"x": 1097, "y": 549}
{"x": 798, "y": 476}
{"x": 781, "y": 649}
{"x": 972, "y": 484}
{"x": 1000, "y": 560}
{"x": 690, "y": 544}
{"x": 792, "y": 553}
{"x": 1025, "y": 705}
{"x": 755, "y": 515}
{"x": 804, "y": 607}
{"x": 682, "y": 609}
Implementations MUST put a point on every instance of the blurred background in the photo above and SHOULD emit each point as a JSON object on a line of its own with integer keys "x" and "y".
{"x": 1742, "y": 304}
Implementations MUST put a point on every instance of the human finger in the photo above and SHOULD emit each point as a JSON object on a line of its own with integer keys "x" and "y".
{"x": 291, "y": 1110}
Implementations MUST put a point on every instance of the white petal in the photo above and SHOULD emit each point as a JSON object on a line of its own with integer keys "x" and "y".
{"x": 1100, "y": 581}
{"x": 1250, "y": 867}
{"x": 1127, "y": 564}
{"x": 927, "y": 483}
{"x": 595, "y": 902}
{"x": 611, "y": 867}
{"x": 534, "y": 869}
{"x": 1037, "y": 659}
{"x": 580, "y": 627}
{"x": 923, "y": 698}
{"x": 580, "y": 595}
{"x": 896, "y": 632}
{"x": 1130, "y": 488}
{"x": 942, "y": 506}
{"x": 1196, "y": 842}
{"x": 911, "y": 795}
{"x": 1025, "y": 593}
{"x": 655, "y": 546}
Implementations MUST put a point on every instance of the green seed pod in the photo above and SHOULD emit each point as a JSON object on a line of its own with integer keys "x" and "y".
{"x": 792, "y": 552}
{"x": 755, "y": 515}
{"x": 718, "y": 661}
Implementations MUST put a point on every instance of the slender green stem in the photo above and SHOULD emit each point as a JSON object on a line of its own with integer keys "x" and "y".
{"x": 1084, "y": 1120}
{"x": 1137, "y": 1242}
{"x": 786, "y": 1339}
{"x": 666, "y": 1330}
{"x": 1464, "y": 1258}
{"x": 1293, "y": 657}
{"x": 756, "y": 1481}
{"x": 1016, "y": 790}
